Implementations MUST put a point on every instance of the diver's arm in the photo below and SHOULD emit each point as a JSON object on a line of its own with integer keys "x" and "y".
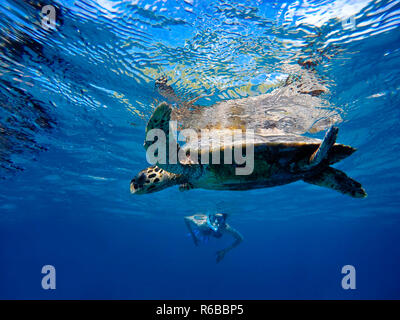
{"x": 238, "y": 239}
{"x": 188, "y": 221}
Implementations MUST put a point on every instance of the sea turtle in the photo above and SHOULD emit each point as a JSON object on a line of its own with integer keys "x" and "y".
{"x": 279, "y": 158}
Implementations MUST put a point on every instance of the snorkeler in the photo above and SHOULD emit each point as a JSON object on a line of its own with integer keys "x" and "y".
{"x": 202, "y": 226}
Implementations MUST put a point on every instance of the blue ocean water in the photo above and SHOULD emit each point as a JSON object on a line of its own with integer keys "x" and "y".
{"x": 74, "y": 102}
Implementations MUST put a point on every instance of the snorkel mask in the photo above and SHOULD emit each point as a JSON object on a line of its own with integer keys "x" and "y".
{"x": 216, "y": 221}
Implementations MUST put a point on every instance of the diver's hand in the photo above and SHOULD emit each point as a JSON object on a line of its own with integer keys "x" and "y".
{"x": 220, "y": 255}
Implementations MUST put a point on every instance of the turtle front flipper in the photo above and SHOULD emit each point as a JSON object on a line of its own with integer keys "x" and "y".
{"x": 322, "y": 152}
{"x": 166, "y": 151}
{"x": 166, "y": 90}
{"x": 339, "y": 181}
{"x": 160, "y": 118}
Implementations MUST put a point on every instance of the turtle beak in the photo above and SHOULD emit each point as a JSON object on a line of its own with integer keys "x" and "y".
{"x": 137, "y": 184}
{"x": 133, "y": 186}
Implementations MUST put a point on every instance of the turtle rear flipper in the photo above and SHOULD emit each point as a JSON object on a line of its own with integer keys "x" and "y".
{"x": 339, "y": 181}
{"x": 322, "y": 152}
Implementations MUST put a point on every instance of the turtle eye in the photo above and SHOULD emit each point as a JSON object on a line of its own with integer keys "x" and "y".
{"x": 141, "y": 178}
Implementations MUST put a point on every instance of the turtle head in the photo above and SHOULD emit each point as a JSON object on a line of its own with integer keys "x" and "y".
{"x": 152, "y": 179}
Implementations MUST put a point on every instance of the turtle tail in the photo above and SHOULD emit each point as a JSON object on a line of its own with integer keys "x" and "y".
{"x": 338, "y": 152}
